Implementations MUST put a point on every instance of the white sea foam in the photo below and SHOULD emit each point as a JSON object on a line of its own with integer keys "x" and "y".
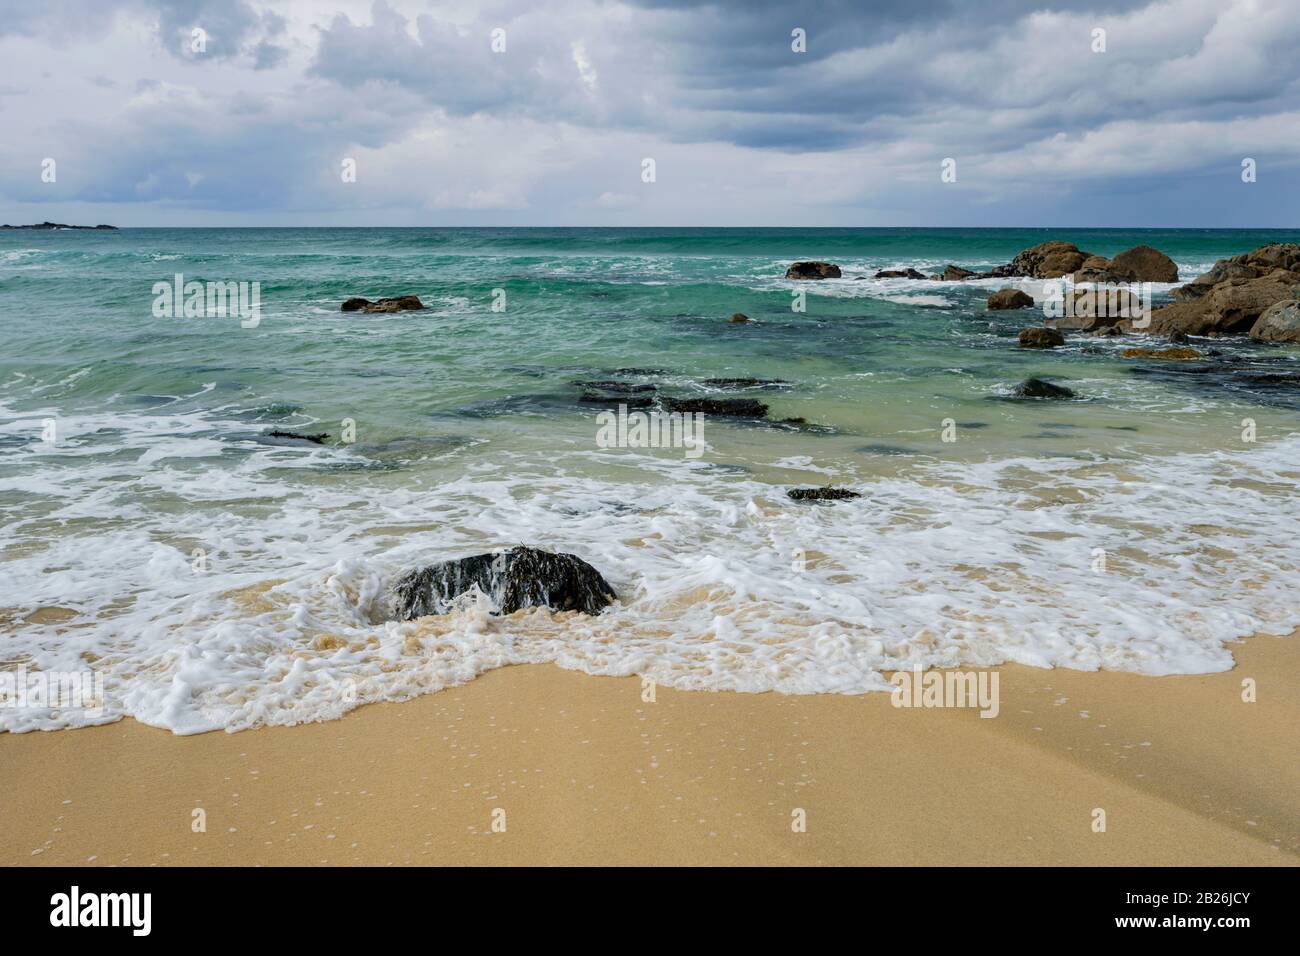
{"x": 724, "y": 583}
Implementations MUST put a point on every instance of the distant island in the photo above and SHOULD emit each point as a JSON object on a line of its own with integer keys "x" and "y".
{"x": 54, "y": 225}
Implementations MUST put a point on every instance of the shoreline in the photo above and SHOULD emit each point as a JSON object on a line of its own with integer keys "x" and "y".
{"x": 587, "y": 772}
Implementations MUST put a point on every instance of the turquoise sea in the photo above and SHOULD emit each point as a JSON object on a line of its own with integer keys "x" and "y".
{"x": 219, "y": 578}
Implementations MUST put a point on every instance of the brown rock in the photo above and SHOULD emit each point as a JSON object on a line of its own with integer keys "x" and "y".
{"x": 1280, "y": 322}
{"x": 953, "y": 273}
{"x": 1144, "y": 264}
{"x": 1098, "y": 308}
{"x": 1060, "y": 263}
{"x": 739, "y": 317}
{"x": 1096, "y": 269}
{"x": 1232, "y": 306}
{"x": 1249, "y": 265}
{"x": 1009, "y": 299}
{"x": 1040, "y": 338}
{"x": 1047, "y": 260}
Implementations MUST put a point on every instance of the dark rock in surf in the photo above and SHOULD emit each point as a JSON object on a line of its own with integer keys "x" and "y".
{"x": 908, "y": 273}
{"x": 739, "y": 318}
{"x": 518, "y": 578}
{"x": 953, "y": 273}
{"x": 1037, "y": 388}
{"x": 746, "y": 382}
{"x": 813, "y": 270}
{"x": 401, "y": 303}
{"x": 1041, "y": 338}
{"x": 621, "y": 387}
{"x": 736, "y": 407}
{"x": 317, "y": 439}
{"x": 821, "y": 494}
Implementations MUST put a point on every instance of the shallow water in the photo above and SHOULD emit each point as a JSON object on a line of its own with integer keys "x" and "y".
{"x": 221, "y": 579}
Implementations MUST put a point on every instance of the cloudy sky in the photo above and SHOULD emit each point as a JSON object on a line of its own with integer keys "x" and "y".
{"x": 252, "y": 123}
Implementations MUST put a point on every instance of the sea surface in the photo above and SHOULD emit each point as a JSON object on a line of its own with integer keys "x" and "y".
{"x": 218, "y": 578}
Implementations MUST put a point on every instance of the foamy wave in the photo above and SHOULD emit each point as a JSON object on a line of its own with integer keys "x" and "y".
{"x": 257, "y": 596}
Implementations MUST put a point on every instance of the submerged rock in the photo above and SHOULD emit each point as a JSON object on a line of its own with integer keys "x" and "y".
{"x": 401, "y": 303}
{"x": 1010, "y": 299}
{"x": 1037, "y": 388}
{"x": 739, "y": 407}
{"x": 813, "y": 270}
{"x": 1176, "y": 354}
{"x": 1041, "y": 338}
{"x": 821, "y": 494}
{"x": 518, "y": 578}
{"x": 317, "y": 439}
{"x": 739, "y": 318}
{"x": 622, "y": 387}
{"x": 746, "y": 382}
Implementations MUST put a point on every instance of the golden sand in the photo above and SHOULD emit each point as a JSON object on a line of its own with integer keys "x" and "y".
{"x": 579, "y": 769}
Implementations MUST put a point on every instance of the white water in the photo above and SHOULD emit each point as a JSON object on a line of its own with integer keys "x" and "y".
{"x": 957, "y": 564}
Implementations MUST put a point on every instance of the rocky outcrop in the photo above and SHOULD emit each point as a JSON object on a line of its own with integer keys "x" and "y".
{"x": 1255, "y": 264}
{"x": 518, "y": 578}
{"x": 739, "y": 318}
{"x": 1041, "y": 338}
{"x": 908, "y": 273}
{"x": 1010, "y": 299}
{"x": 821, "y": 494}
{"x": 1054, "y": 259}
{"x": 1037, "y": 388}
{"x": 401, "y": 303}
{"x": 1231, "y": 306}
{"x": 953, "y": 273}
{"x": 1280, "y": 322}
{"x": 1047, "y": 260}
{"x": 813, "y": 270}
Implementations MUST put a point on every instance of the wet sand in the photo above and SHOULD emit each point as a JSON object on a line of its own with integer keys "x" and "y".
{"x": 576, "y": 769}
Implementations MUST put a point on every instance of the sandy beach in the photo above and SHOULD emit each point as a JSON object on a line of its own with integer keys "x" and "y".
{"x": 580, "y": 770}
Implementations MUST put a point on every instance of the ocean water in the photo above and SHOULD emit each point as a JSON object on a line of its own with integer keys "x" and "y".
{"x": 221, "y": 579}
